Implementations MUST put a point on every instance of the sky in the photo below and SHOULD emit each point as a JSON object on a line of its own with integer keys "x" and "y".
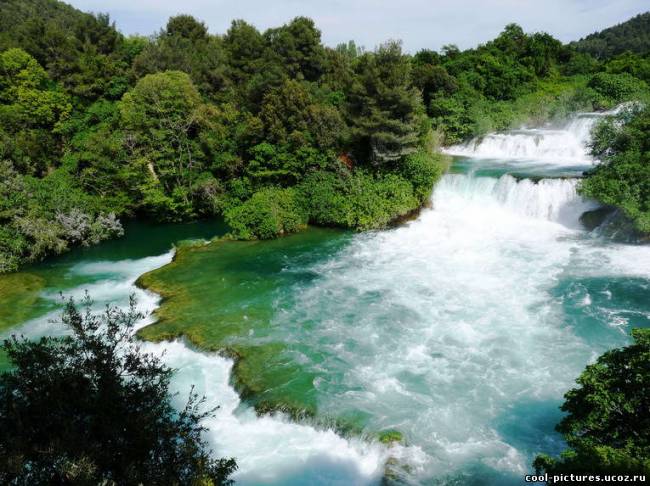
{"x": 418, "y": 23}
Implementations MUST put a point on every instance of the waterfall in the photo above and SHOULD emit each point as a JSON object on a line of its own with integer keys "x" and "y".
{"x": 566, "y": 145}
{"x": 553, "y": 200}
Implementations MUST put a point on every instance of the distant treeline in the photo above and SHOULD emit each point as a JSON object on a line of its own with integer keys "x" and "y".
{"x": 631, "y": 36}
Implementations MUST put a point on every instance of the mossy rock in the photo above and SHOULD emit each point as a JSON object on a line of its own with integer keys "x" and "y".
{"x": 390, "y": 437}
{"x": 19, "y": 294}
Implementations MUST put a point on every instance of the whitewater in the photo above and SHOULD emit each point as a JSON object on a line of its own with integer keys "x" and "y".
{"x": 461, "y": 329}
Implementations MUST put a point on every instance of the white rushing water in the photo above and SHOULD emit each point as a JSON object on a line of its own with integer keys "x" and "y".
{"x": 564, "y": 145}
{"x": 548, "y": 199}
{"x": 447, "y": 330}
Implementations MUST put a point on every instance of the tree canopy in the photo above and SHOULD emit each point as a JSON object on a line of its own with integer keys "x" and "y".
{"x": 93, "y": 408}
{"x": 607, "y": 426}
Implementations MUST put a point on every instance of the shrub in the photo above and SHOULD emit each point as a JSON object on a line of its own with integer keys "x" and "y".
{"x": 422, "y": 170}
{"x": 267, "y": 214}
{"x": 607, "y": 426}
{"x": 359, "y": 200}
{"x": 93, "y": 408}
{"x": 622, "y": 177}
{"x": 617, "y": 87}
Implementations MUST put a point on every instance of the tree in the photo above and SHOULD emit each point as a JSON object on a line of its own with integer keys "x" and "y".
{"x": 607, "y": 426}
{"x": 245, "y": 47}
{"x": 93, "y": 408}
{"x": 291, "y": 115}
{"x": 622, "y": 177}
{"x": 161, "y": 117}
{"x": 298, "y": 47}
{"x": 30, "y": 111}
{"x": 187, "y": 27}
{"x": 432, "y": 80}
{"x": 184, "y": 45}
{"x": 385, "y": 107}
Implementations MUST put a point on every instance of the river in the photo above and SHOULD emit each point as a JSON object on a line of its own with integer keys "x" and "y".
{"x": 461, "y": 329}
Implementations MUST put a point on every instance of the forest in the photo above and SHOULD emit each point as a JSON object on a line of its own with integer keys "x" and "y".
{"x": 270, "y": 130}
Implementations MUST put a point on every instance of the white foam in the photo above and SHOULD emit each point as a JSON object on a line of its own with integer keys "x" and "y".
{"x": 550, "y": 199}
{"x": 566, "y": 146}
{"x": 271, "y": 449}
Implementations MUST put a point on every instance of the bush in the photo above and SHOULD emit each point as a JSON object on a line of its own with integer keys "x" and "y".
{"x": 622, "y": 178}
{"x": 359, "y": 200}
{"x": 269, "y": 213}
{"x": 607, "y": 426}
{"x": 617, "y": 87}
{"x": 41, "y": 217}
{"x": 422, "y": 170}
{"x": 92, "y": 408}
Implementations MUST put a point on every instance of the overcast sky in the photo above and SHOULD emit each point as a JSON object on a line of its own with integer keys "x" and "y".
{"x": 419, "y": 23}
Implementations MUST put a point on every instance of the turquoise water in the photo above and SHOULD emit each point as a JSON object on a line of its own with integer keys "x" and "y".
{"x": 119, "y": 259}
{"x": 462, "y": 329}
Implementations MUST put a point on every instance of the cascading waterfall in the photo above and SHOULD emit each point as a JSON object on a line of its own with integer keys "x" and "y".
{"x": 535, "y": 144}
{"x": 566, "y": 145}
{"x": 554, "y": 200}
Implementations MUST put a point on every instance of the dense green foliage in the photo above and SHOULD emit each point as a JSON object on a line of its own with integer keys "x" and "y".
{"x": 270, "y": 213}
{"x": 622, "y": 177}
{"x": 186, "y": 124}
{"x": 92, "y": 408}
{"x": 607, "y": 426}
{"x": 521, "y": 78}
{"x": 632, "y": 35}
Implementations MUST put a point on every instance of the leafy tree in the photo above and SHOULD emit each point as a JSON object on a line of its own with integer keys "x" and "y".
{"x": 433, "y": 80}
{"x": 98, "y": 156}
{"x": 161, "y": 117}
{"x": 385, "y": 108}
{"x": 93, "y": 408}
{"x": 291, "y": 115}
{"x": 607, "y": 426}
{"x": 184, "y": 45}
{"x": 248, "y": 65}
{"x": 298, "y": 47}
{"x": 622, "y": 177}
{"x": 30, "y": 112}
{"x": 187, "y": 27}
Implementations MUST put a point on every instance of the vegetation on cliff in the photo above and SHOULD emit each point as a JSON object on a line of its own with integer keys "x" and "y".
{"x": 622, "y": 176}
